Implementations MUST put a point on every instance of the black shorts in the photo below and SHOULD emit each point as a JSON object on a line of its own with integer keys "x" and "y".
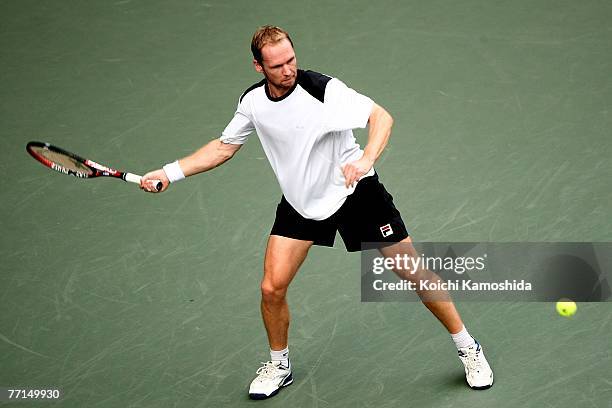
{"x": 367, "y": 216}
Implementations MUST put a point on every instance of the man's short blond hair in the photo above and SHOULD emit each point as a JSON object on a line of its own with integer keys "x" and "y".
{"x": 265, "y": 35}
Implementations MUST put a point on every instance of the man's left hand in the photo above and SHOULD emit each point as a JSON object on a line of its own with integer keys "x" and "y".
{"x": 353, "y": 171}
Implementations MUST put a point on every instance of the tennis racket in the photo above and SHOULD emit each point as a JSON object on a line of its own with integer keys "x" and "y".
{"x": 71, "y": 164}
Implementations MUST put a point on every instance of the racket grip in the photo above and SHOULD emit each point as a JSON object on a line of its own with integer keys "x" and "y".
{"x": 134, "y": 178}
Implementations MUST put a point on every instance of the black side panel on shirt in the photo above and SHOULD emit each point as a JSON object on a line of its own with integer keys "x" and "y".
{"x": 314, "y": 83}
{"x": 254, "y": 86}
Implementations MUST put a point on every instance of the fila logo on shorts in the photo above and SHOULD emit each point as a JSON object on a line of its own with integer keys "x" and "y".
{"x": 386, "y": 230}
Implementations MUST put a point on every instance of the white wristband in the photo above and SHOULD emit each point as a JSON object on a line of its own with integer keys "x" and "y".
{"x": 173, "y": 171}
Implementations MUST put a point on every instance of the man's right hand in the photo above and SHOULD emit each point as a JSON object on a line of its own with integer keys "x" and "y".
{"x": 150, "y": 179}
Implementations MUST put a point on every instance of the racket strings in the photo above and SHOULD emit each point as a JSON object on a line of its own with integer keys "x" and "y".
{"x": 64, "y": 161}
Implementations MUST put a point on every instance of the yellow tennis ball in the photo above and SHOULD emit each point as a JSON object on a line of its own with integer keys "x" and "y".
{"x": 566, "y": 307}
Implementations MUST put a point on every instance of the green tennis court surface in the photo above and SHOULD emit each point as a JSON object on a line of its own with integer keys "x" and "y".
{"x": 122, "y": 299}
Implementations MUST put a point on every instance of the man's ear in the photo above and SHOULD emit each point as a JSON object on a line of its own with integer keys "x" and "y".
{"x": 257, "y": 66}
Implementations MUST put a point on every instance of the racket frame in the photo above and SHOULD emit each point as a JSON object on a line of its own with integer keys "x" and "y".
{"x": 98, "y": 170}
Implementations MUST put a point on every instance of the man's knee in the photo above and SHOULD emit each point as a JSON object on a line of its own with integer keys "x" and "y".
{"x": 272, "y": 293}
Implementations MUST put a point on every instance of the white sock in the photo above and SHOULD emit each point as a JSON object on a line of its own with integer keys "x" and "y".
{"x": 463, "y": 339}
{"x": 280, "y": 355}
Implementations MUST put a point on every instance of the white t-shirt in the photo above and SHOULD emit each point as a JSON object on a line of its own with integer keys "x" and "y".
{"x": 307, "y": 136}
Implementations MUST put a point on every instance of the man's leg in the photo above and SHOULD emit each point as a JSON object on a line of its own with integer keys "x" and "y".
{"x": 283, "y": 259}
{"x": 442, "y": 307}
{"x": 477, "y": 370}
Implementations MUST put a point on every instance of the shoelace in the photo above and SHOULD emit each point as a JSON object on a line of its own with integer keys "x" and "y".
{"x": 267, "y": 371}
{"x": 473, "y": 362}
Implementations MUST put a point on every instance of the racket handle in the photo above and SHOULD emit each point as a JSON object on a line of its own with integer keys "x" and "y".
{"x": 134, "y": 178}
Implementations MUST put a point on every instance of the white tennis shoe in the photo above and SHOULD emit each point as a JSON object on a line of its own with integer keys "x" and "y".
{"x": 478, "y": 373}
{"x": 271, "y": 377}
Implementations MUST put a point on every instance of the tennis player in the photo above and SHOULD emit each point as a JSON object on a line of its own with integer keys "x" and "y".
{"x": 304, "y": 121}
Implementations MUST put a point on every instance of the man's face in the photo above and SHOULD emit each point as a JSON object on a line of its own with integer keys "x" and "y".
{"x": 279, "y": 64}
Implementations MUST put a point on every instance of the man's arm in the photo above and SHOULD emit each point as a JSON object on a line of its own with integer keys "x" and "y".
{"x": 380, "y": 123}
{"x": 211, "y": 155}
